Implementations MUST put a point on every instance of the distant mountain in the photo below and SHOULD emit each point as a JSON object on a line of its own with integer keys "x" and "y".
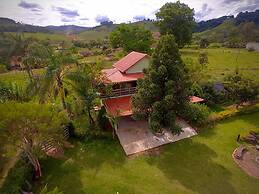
{"x": 67, "y": 28}
{"x": 9, "y": 25}
{"x": 206, "y": 25}
{"x": 248, "y": 17}
{"x": 240, "y": 18}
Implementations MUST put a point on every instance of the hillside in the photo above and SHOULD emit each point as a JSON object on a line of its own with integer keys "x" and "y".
{"x": 9, "y": 25}
{"x": 230, "y": 31}
{"x": 102, "y": 31}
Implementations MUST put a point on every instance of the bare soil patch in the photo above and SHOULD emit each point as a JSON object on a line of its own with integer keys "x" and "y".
{"x": 249, "y": 161}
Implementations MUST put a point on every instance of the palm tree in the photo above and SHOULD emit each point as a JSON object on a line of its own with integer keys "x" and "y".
{"x": 84, "y": 82}
{"x": 59, "y": 65}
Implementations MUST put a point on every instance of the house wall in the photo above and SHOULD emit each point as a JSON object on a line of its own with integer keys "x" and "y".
{"x": 138, "y": 67}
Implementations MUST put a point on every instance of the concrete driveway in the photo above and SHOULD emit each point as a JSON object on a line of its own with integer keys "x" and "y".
{"x": 135, "y": 136}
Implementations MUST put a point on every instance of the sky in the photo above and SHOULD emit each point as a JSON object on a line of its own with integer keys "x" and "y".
{"x": 92, "y": 12}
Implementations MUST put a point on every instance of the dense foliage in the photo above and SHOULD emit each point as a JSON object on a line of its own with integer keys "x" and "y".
{"x": 177, "y": 19}
{"x": 241, "y": 89}
{"x": 163, "y": 91}
{"x": 26, "y": 126}
{"x": 131, "y": 38}
{"x": 18, "y": 177}
{"x": 196, "y": 114}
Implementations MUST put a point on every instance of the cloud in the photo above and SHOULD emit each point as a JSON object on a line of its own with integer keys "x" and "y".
{"x": 247, "y": 8}
{"x": 101, "y": 19}
{"x": 67, "y": 20}
{"x": 139, "y": 18}
{"x": 84, "y": 19}
{"x": 231, "y": 1}
{"x": 30, "y": 6}
{"x": 205, "y": 11}
{"x": 66, "y": 12}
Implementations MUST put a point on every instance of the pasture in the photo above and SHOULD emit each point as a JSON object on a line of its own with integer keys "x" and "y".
{"x": 223, "y": 61}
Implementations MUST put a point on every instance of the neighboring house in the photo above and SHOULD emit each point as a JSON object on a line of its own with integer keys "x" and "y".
{"x": 123, "y": 78}
{"x": 253, "y": 45}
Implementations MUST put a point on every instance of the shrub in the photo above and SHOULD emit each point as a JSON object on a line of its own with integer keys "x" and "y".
{"x": 17, "y": 178}
{"x": 196, "y": 114}
{"x": 102, "y": 119}
{"x": 233, "y": 112}
{"x": 215, "y": 45}
{"x": 214, "y": 93}
{"x": 3, "y": 68}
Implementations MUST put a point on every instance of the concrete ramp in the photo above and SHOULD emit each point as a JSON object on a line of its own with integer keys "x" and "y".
{"x": 135, "y": 136}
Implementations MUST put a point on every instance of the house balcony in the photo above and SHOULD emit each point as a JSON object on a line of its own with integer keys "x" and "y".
{"x": 129, "y": 91}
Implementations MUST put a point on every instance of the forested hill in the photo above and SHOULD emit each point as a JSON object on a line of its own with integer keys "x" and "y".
{"x": 242, "y": 17}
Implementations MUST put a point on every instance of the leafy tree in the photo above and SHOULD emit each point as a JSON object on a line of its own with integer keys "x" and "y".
{"x": 163, "y": 92}
{"x": 204, "y": 43}
{"x": 131, "y": 38}
{"x": 203, "y": 59}
{"x": 13, "y": 45}
{"x": 240, "y": 88}
{"x": 26, "y": 126}
{"x": 197, "y": 69}
{"x": 177, "y": 19}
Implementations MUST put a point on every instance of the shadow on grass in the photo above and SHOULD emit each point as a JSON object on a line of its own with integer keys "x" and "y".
{"x": 192, "y": 165}
{"x": 87, "y": 155}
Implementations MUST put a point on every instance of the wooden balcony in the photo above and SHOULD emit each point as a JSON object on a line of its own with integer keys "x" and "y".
{"x": 120, "y": 92}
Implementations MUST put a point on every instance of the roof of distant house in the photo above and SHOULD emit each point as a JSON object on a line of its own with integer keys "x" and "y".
{"x": 195, "y": 99}
{"x": 128, "y": 61}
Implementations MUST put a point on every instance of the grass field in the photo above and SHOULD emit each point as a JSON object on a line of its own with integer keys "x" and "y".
{"x": 223, "y": 61}
{"x": 202, "y": 164}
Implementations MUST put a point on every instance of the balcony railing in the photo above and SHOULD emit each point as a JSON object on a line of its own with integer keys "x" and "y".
{"x": 120, "y": 92}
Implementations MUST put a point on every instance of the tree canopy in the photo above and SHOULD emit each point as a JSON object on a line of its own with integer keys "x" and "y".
{"x": 177, "y": 19}
{"x": 240, "y": 88}
{"x": 131, "y": 38}
{"x": 163, "y": 92}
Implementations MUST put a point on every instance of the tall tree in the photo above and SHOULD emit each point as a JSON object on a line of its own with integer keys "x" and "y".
{"x": 59, "y": 64}
{"x": 131, "y": 38}
{"x": 85, "y": 81}
{"x": 26, "y": 126}
{"x": 163, "y": 92}
{"x": 177, "y": 19}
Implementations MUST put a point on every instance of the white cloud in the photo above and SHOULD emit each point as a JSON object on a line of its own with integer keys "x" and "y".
{"x": 116, "y": 10}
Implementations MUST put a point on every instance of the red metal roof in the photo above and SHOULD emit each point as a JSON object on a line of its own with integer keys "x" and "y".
{"x": 115, "y": 76}
{"x": 195, "y": 99}
{"x": 119, "y": 106}
{"x": 128, "y": 61}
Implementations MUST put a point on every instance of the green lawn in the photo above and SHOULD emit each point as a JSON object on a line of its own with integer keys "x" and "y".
{"x": 223, "y": 61}
{"x": 18, "y": 77}
{"x": 202, "y": 164}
